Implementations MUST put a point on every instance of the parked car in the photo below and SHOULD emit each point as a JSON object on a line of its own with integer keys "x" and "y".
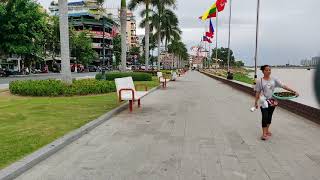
{"x": 129, "y": 68}
{"x": 92, "y": 68}
{"x": 80, "y": 67}
{"x": 5, "y": 73}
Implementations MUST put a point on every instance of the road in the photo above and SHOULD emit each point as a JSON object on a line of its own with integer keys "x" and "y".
{"x": 196, "y": 129}
{"x": 4, "y": 82}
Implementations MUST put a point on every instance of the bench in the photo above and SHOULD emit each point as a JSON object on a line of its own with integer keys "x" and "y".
{"x": 126, "y": 91}
{"x": 181, "y": 72}
{"x": 173, "y": 75}
{"x": 162, "y": 79}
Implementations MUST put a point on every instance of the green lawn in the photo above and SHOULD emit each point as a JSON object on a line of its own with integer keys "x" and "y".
{"x": 242, "y": 78}
{"x": 28, "y": 123}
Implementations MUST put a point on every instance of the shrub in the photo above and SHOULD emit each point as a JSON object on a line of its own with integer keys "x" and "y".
{"x": 37, "y": 87}
{"x": 136, "y": 76}
{"x": 58, "y": 88}
{"x": 89, "y": 86}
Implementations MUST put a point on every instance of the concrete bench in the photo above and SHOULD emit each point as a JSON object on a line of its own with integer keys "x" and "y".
{"x": 162, "y": 79}
{"x": 174, "y": 75}
{"x": 181, "y": 72}
{"x": 126, "y": 91}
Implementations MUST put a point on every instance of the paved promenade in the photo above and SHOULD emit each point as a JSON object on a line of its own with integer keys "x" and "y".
{"x": 197, "y": 129}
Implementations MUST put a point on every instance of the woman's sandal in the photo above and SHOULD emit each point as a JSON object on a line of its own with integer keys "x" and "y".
{"x": 264, "y": 138}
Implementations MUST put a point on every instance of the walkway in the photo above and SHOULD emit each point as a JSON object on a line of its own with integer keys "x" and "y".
{"x": 197, "y": 129}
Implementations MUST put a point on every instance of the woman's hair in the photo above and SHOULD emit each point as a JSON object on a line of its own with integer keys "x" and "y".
{"x": 264, "y": 67}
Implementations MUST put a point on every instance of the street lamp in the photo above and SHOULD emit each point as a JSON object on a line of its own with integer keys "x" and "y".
{"x": 256, "y": 48}
{"x": 229, "y": 76}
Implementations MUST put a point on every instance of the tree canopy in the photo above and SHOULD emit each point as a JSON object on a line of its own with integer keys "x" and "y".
{"x": 23, "y": 28}
{"x": 81, "y": 47}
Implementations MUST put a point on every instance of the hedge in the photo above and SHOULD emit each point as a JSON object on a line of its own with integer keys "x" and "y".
{"x": 136, "y": 76}
{"x": 58, "y": 88}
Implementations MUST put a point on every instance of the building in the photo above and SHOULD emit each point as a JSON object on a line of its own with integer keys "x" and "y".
{"x": 197, "y": 61}
{"x": 132, "y": 38}
{"x": 167, "y": 60}
{"x": 313, "y": 62}
{"x": 84, "y": 15}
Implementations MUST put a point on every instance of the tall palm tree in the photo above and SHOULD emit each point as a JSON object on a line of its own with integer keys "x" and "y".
{"x": 160, "y": 18}
{"x": 180, "y": 52}
{"x": 161, "y": 15}
{"x": 123, "y": 22}
{"x": 64, "y": 40}
{"x": 133, "y": 5}
{"x": 171, "y": 30}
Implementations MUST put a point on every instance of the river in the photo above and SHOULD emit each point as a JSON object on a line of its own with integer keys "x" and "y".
{"x": 300, "y": 80}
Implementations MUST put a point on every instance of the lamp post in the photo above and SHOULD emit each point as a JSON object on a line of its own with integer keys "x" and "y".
{"x": 230, "y": 76}
{"x": 257, "y": 38}
{"x": 103, "y": 42}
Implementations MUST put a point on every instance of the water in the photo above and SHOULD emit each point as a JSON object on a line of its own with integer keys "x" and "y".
{"x": 300, "y": 80}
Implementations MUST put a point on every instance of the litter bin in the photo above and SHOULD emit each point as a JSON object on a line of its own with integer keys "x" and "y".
{"x": 230, "y": 75}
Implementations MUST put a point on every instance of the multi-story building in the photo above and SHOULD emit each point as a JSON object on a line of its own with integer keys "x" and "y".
{"x": 85, "y": 15}
{"x": 132, "y": 38}
{"x": 313, "y": 62}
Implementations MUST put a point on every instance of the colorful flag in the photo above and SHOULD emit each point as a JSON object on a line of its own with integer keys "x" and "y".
{"x": 209, "y": 12}
{"x": 205, "y": 38}
{"x": 210, "y": 33}
{"x": 221, "y": 4}
{"x": 212, "y": 12}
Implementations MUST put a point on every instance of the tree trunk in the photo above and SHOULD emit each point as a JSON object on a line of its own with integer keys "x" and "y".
{"x": 64, "y": 39}
{"x": 159, "y": 49}
{"x": 147, "y": 36}
{"x": 123, "y": 22}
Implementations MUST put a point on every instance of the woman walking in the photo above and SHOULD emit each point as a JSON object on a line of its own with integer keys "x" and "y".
{"x": 264, "y": 89}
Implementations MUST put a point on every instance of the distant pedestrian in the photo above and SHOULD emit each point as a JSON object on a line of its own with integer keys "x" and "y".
{"x": 264, "y": 89}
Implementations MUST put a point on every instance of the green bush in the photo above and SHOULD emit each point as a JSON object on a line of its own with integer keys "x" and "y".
{"x": 37, "y": 87}
{"x": 136, "y": 76}
{"x": 58, "y": 88}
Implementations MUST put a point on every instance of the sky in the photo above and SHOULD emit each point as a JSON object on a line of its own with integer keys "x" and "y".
{"x": 289, "y": 29}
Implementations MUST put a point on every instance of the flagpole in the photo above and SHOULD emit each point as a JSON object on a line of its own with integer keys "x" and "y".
{"x": 209, "y": 54}
{"x": 229, "y": 51}
{"x": 216, "y": 34}
{"x": 257, "y": 38}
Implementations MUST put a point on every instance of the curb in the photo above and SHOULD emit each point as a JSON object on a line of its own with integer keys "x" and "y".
{"x": 26, "y": 163}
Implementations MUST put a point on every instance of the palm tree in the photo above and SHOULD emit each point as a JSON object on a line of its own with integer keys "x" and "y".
{"x": 133, "y": 5}
{"x": 162, "y": 14}
{"x": 64, "y": 40}
{"x": 180, "y": 52}
{"x": 123, "y": 22}
{"x": 160, "y": 18}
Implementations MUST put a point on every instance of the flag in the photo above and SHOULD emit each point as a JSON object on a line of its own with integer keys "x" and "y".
{"x": 210, "y": 12}
{"x": 205, "y": 38}
{"x": 210, "y": 33}
{"x": 221, "y": 4}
